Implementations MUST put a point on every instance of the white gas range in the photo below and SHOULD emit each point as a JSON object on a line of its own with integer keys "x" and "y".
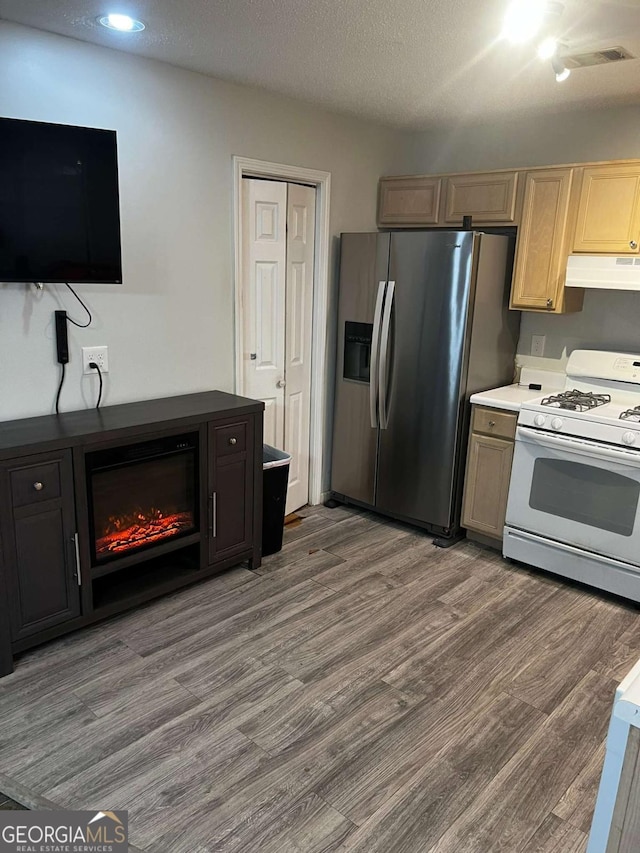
{"x": 574, "y": 496}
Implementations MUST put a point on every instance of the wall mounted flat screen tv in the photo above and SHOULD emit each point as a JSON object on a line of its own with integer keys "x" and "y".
{"x": 59, "y": 205}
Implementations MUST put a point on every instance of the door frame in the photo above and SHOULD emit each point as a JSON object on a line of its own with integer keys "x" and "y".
{"x": 245, "y": 167}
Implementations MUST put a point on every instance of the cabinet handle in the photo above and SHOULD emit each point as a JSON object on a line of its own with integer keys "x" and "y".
{"x": 213, "y": 512}
{"x": 492, "y": 423}
{"x": 549, "y": 303}
{"x": 633, "y": 244}
{"x": 76, "y": 545}
{"x": 233, "y": 441}
{"x": 38, "y": 486}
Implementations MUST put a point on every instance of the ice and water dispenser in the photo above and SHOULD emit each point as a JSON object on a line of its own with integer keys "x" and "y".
{"x": 357, "y": 351}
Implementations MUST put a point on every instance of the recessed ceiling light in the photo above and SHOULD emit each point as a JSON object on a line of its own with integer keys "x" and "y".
{"x": 122, "y": 23}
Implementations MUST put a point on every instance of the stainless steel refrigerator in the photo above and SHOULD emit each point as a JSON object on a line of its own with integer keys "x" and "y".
{"x": 423, "y": 323}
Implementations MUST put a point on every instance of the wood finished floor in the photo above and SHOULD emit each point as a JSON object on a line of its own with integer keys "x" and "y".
{"x": 366, "y": 692}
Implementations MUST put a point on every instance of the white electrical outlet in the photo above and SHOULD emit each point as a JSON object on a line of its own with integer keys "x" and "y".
{"x": 99, "y": 355}
{"x": 537, "y": 344}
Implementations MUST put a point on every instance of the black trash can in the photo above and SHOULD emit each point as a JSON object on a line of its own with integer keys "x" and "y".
{"x": 275, "y": 476}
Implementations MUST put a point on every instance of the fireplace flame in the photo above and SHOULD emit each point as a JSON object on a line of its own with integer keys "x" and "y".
{"x": 141, "y": 527}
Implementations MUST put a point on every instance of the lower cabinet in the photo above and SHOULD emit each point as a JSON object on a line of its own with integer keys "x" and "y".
{"x": 38, "y": 537}
{"x": 231, "y": 492}
{"x": 489, "y": 460}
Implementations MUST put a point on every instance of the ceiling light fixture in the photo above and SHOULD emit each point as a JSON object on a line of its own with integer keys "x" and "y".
{"x": 523, "y": 20}
{"x": 548, "y": 48}
{"x": 122, "y": 23}
{"x": 560, "y": 69}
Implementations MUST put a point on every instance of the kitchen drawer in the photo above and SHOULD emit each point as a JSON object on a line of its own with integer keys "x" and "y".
{"x": 231, "y": 438}
{"x": 33, "y": 484}
{"x": 494, "y": 422}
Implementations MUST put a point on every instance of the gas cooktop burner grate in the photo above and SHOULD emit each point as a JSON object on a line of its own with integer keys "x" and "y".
{"x": 577, "y": 401}
{"x": 631, "y": 415}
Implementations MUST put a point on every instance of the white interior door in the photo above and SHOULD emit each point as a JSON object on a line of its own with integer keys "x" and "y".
{"x": 264, "y": 233}
{"x": 278, "y": 227}
{"x": 301, "y": 209}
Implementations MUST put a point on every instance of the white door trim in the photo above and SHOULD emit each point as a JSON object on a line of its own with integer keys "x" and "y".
{"x": 246, "y": 167}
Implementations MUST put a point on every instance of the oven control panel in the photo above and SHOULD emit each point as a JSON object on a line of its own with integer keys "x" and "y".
{"x": 604, "y": 366}
{"x": 627, "y": 368}
{"x": 607, "y": 431}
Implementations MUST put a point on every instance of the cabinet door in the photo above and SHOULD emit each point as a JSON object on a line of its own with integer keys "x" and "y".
{"x": 409, "y": 201}
{"x": 43, "y": 584}
{"x": 231, "y": 477}
{"x": 609, "y": 210}
{"x": 541, "y": 253}
{"x": 488, "y": 198}
{"x": 487, "y": 484}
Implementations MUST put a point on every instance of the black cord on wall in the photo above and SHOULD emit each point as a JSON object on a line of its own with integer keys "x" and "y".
{"x": 61, "y": 383}
{"x": 62, "y": 343}
{"x": 94, "y": 366}
{"x": 75, "y": 323}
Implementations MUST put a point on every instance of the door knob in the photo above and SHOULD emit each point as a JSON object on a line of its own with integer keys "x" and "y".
{"x": 280, "y": 383}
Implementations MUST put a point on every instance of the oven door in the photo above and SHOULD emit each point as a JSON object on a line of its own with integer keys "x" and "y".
{"x": 577, "y": 492}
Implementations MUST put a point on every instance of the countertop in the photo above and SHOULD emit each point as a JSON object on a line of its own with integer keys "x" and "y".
{"x": 511, "y": 397}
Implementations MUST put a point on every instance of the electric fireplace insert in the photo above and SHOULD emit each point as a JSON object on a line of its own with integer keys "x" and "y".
{"x": 142, "y": 495}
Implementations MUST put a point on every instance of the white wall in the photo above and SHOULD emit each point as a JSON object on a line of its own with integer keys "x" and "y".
{"x": 569, "y": 137}
{"x": 608, "y": 320}
{"x": 169, "y": 328}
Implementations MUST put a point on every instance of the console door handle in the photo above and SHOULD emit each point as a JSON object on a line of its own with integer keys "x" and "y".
{"x": 76, "y": 545}
{"x": 213, "y": 512}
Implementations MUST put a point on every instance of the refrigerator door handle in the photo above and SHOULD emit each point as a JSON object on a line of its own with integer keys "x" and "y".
{"x": 375, "y": 345}
{"x": 384, "y": 355}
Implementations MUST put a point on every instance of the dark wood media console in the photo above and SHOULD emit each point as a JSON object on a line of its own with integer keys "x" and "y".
{"x": 66, "y": 560}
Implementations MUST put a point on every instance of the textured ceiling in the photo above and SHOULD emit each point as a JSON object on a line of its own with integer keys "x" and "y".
{"x": 411, "y": 63}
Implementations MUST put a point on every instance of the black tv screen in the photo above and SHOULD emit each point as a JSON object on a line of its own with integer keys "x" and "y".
{"x": 59, "y": 210}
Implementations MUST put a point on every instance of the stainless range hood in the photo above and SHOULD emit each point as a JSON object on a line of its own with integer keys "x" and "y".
{"x": 604, "y": 272}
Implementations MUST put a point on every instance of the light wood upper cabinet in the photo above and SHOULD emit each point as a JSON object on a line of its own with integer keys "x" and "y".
{"x": 608, "y": 219}
{"x": 488, "y": 197}
{"x": 409, "y": 201}
{"x": 582, "y": 207}
{"x": 543, "y": 242}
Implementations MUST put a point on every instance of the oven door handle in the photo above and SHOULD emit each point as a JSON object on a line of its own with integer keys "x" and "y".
{"x": 575, "y": 445}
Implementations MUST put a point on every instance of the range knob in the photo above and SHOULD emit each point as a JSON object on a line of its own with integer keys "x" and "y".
{"x": 629, "y": 437}
{"x": 556, "y": 423}
{"x": 539, "y": 420}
